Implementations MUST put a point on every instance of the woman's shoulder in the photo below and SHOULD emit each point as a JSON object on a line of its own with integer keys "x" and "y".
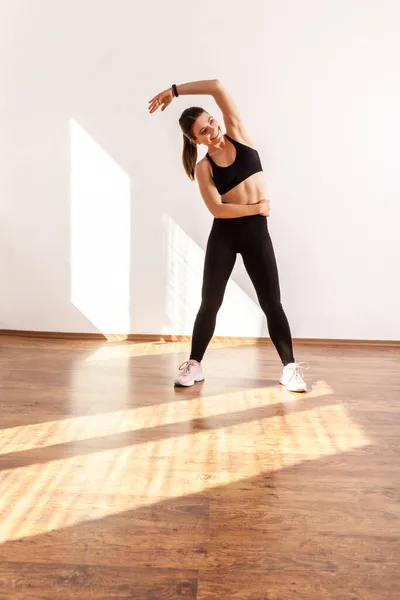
{"x": 203, "y": 163}
{"x": 203, "y": 167}
{"x": 239, "y": 134}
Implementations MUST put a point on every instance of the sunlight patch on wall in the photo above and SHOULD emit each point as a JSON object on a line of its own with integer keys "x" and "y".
{"x": 100, "y": 234}
{"x": 239, "y": 314}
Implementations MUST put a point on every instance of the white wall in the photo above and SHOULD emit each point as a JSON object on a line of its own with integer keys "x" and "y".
{"x": 100, "y": 228}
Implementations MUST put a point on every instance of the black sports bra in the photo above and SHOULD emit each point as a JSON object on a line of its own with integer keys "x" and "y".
{"x": 246, "y": 163}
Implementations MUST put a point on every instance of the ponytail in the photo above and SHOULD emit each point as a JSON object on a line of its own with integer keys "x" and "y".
{"x": 189, "y": 154}
{"x": 189, "y": 157}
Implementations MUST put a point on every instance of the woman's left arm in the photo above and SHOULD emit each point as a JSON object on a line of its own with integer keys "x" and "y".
{"x": 230, "y": 112}
{"x": 214, "y": 88}
{"x": 207, "y": 87}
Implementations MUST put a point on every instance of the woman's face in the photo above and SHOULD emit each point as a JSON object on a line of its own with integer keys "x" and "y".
{"x": 207, "y": 130}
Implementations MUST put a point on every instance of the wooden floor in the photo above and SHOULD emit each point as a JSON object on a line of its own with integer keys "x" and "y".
{"x": 116, "y": 485}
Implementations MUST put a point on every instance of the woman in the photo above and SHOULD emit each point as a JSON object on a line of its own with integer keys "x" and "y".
{"x": 232, "y": 186}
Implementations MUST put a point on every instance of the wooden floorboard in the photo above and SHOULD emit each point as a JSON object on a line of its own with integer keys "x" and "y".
{"x": 114, "y": 484}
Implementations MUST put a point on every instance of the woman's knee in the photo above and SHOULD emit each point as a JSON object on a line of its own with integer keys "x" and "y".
{"x": 271, "y": 306}
{"x": 210, "y": 306}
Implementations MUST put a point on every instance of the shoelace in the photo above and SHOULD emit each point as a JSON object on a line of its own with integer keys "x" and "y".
{"x": 185, "y": 367}
{"x": 297, "y": 371}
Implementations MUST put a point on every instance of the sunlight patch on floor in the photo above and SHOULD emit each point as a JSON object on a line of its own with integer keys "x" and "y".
{"x": 92, "y": 482}
{"x": 128, "y": 349}
{"x": 76, "y": 429}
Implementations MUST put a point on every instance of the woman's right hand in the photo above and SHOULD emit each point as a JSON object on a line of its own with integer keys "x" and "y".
{"x": 264, "y": 208}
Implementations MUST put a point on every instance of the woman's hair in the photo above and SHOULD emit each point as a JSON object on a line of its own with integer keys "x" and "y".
{"x": 189, "y": 154}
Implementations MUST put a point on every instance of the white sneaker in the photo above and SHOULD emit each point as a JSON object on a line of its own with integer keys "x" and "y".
{"x": 292, "y": 378}
{"x": 191, "y": 372}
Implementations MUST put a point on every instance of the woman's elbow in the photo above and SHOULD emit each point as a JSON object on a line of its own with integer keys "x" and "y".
{"x": 217, "y": 84}
{"x": 217, "y": 211}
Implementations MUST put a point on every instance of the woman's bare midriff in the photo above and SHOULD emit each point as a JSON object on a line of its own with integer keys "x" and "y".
{"x": 250, "y": 191}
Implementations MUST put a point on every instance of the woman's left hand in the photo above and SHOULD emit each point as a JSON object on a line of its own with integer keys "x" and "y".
{"x": 162, "y": 99}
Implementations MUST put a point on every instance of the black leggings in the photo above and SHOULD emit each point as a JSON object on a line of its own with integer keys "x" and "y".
{"x": 250, "y": 237}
